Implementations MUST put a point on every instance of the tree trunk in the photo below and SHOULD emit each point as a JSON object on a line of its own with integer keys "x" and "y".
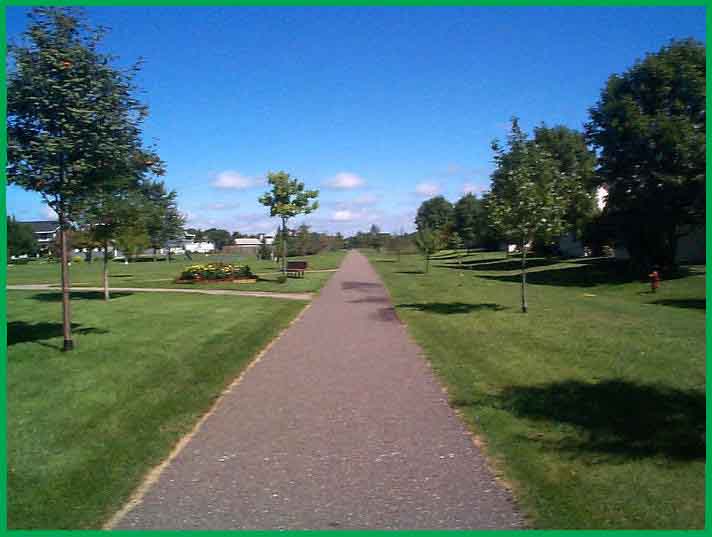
{"x": 106, "y": 272}
{"x": 66, "y": 309}
{"x": 284, "y": 246}
{"x": 525, "y": 307}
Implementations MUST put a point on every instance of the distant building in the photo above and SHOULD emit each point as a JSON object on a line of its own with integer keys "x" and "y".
{"x": 45, "y": 232}
{"x": 249, "y": 245}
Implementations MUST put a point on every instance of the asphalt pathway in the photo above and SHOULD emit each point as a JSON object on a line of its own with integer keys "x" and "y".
{"x": 340, "y": 424}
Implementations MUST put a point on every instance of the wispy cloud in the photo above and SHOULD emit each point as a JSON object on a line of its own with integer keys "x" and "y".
{"x": 427, "y": 189}
{"x": 345, "y": 181}
{"x": 232, "y": 180}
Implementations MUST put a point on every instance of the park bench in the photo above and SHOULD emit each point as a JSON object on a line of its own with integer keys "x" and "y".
{"x": 296, "y": 268}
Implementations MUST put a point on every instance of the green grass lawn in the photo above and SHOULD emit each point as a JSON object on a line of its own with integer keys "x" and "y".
{"x": 161, "y": 273}
{"x": 84, "y": 427}
{"x": 592, "y": 405}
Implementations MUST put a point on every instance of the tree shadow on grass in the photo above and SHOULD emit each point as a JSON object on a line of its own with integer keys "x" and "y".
{"x": 582, "y": 274}
{"x": 77, "y": 294}
{"x": 616, "y": 417}
{"x": 688, "y": 303}
{"x": 22, "y": 332}
{"x": 501, "y": 264}
{"x": 446, "y": 308}
{"x": 409, "y": 272}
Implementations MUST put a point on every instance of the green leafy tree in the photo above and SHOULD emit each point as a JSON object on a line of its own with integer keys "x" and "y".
{"x": 436, "y": 214}
{"x": 21, "y": 238}
{"x": 375, "y": 238}
{"x": 264, "y": 251}
{"x": 457, "y": 244}
{"x": 72, "y": 120}
{"x": 428, "y": 242}
{"x": 529, "y": 197}
{"x": 470, "y": 220}
{"x": 109, "y": 214}
{"x": 132, "y": 240}
{"x": 161, "y": 217}
{"x": 576, "y": 163}
{"x": 287, "y": 199}
{"x": 219, "y": 237}
{"x": 649, "y": 127}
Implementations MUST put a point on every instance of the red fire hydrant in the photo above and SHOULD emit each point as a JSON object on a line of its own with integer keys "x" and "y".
{"x": 654, "y": 281}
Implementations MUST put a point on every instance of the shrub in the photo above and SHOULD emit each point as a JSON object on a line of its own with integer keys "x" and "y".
{"x": 77, "y": 259}
{"x": 282, "y": 278}
{"x": 215, "y": 271}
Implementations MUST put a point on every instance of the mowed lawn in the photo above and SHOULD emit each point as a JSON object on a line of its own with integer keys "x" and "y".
{"x": 592, "y": 405}
{"x": 84, "y": 426}
{"x": 161, "y": 274}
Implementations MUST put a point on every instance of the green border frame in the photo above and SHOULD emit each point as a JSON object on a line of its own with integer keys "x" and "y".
{"x": 444, "y": 3}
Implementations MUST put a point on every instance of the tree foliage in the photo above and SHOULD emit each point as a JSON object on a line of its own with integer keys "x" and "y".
{"x": 287, "y": 199}
{"x": 649, "y": 127}
{"x": 436, "y": 214}
{"x": 530, "y": 195}
{"x": 21, "y": 238}
{"x": 428, "y": 242}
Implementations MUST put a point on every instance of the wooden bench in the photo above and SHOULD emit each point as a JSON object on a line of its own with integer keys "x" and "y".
{"x": 296, "y": 268}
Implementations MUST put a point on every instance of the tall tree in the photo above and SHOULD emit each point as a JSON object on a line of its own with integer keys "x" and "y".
{"x": 219, "y": 237}
{"x": 649, "y": 127}
{"x": 428, "y": 242}
{"x": 72, "y": 120}
{"x": 470, "y": 220}
{"x": 21, "y": 238}
{"x": 576, "y": 163}
{"x": 375, "y": 238}
{"x": 437, "y": 214}
{"x": 529, "y": 197}
{"x": 287, "y": 199}
{"x": 109, "y": 215}
{"x": 162, "y": 219}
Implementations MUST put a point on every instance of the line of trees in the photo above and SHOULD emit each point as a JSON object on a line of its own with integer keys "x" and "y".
{"x": 644, "y": 144}
{"x": 74, "y": 136}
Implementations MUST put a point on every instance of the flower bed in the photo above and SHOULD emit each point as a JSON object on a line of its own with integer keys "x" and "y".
{"x": 216, "y": 272}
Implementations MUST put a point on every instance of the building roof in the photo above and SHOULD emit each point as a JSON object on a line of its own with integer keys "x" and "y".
{"x": 42, "y": 226}
{"x": 253, "y": 241}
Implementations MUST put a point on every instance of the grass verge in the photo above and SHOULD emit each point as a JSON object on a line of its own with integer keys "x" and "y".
{"x": 593, "y": 403}
{"x": 85, "y": 426}
{"x": 160, "y": 274}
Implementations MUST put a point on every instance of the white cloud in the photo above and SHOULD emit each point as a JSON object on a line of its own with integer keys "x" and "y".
{"x": 471, "y": 188}
{"x": 232, "y": 180}
{"x": 343, "y": 216}
{"x": 221, "y": 206}
{"x": 345, "y": 181}
{"x": 427, "y": 189}
{"x": 49, "y": 213}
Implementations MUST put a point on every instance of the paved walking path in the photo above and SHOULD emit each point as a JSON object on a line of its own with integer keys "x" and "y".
{"x": 341, "y": 424}
{"x": 267, "y": 294}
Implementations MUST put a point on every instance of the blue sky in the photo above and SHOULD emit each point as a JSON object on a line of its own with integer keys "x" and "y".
{"x": 379, "y": 108}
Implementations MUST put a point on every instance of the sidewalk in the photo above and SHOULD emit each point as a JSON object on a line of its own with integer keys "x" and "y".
{"x": 341, "y": 424}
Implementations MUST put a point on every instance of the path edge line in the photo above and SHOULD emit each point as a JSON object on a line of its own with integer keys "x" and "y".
{"x": 152, "y": 475}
